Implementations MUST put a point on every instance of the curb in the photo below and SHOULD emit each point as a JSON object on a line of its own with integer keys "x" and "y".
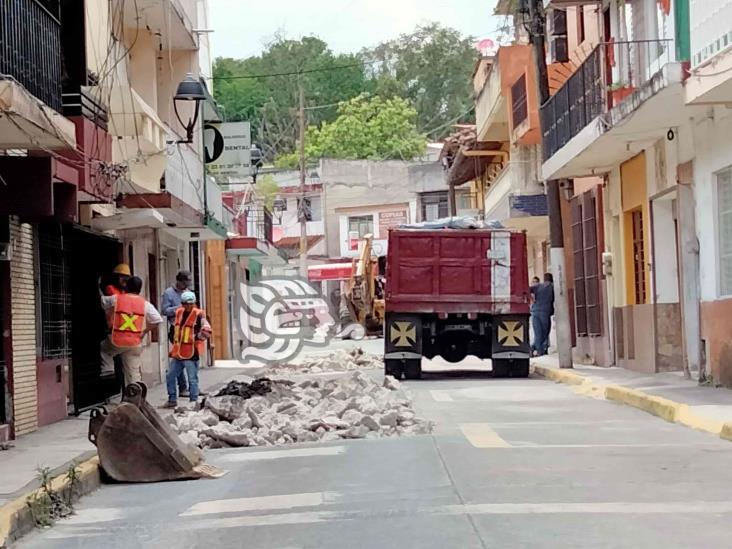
{"x": 16, "y": 519}
{"x": 669, "y": 410}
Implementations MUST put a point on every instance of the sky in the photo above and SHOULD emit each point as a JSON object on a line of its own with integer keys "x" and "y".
{"x": 242, "y": 27}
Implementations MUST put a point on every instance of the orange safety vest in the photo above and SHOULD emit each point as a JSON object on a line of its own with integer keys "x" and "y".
{"x": 185, "y": 344}
{"x": 128, "y": 320}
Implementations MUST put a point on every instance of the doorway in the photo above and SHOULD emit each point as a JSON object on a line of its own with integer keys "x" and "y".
{"x": 666, "y": 286}
{"x": 88, "y": 321}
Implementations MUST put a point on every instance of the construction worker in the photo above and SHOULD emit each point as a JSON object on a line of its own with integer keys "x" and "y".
{"x": 168, "y": 306}
{"x": 129, "y": 317}
{"x": 190, "y": 331}
{"x": 118, "y": 280}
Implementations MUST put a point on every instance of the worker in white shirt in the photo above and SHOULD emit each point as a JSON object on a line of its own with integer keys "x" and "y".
{"x": 129, "y": 317}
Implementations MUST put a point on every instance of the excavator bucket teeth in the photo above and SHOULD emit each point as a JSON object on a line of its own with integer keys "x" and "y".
{"x": 136, "y": 445}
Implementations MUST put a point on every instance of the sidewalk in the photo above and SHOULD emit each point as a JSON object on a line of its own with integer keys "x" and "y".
{"x": 668, "y": 395}
{"x": 58, "y": 444}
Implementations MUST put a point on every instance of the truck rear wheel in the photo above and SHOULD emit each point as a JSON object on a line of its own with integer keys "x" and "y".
{"x": 393, "y": 367}
{"x": 413, "y": 368}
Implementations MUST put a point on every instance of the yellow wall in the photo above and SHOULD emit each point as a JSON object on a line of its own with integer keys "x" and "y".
{"x": 633, "y": 188}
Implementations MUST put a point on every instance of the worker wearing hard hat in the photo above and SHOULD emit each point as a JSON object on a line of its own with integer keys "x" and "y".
{"x": 190, "y": 331}
{"x": 129, "y": 317}
{"x": 118, "y": 281}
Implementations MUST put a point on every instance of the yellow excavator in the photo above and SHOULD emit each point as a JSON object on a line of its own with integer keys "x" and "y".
{"x": 362, "y": 295}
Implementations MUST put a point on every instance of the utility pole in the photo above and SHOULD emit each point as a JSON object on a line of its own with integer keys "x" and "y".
{"x": 537, "y": 31}
{"x": 301, "y": 203}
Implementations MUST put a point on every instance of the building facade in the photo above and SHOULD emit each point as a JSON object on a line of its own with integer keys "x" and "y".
{"x": 97, "y": 173}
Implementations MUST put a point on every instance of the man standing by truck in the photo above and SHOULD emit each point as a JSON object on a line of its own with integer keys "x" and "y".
{"x": 542, "y": 310}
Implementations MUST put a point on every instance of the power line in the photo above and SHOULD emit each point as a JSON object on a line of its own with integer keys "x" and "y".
{"x": 296, "y": 73}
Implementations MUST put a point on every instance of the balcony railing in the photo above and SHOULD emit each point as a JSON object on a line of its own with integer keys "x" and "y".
{"x": 30, "y": 47}
{"x": 609, "y": 74}
{"x": 257, "y": 222}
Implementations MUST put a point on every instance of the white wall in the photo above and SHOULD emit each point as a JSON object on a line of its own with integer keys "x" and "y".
{"x": 713, "y": 153}
{"x": 710, "y": 21}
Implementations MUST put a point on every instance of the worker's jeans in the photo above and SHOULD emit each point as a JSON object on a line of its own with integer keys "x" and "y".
{"x": 182, "y": 383}
{"x": 542, "y": 323}
{"x": 175, "y": 367}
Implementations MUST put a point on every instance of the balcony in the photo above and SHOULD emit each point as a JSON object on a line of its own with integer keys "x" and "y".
{"x": 491, "y": 116}
{"x": 637, "y": 85}
{"x": 30, "y": 47}
{"x": 168, "y": 18}
{"x": 255, "y": 238}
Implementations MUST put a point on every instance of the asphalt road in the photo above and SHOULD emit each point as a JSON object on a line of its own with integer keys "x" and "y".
{"x": 512, "y": 463}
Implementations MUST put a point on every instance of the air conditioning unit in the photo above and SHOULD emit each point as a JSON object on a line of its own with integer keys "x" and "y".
{"x": 6, "y": 251}
{"x": 556, "y": 23}
{"x": 558, "y": 49}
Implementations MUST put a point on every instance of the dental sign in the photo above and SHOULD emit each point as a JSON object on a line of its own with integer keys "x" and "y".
{"x": 227, "y": 147}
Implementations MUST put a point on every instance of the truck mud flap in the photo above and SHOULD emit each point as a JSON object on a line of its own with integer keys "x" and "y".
{"x": 510, "y": 337}
{"x": 402, "y": 336}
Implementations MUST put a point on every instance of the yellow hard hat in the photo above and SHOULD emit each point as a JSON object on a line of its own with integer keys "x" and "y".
{"x": 123, "y": 269}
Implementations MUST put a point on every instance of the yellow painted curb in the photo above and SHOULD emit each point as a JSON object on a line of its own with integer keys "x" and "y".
{"x": 560, "y": 376}
{"x": 664, "y": 408}
{"x": 15, "y": 516}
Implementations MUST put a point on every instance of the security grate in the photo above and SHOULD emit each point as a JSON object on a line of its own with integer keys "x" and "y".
{"x": 55, "y": 299}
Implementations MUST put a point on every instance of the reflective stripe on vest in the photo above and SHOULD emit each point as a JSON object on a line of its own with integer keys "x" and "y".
{"x": 184, "y": 335}
{"x": 128, "y": 320}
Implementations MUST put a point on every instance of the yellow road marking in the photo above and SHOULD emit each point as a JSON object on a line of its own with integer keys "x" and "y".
{"x": 481, "y": 435}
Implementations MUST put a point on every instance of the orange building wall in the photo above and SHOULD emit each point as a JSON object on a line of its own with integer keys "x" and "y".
{"x": 216, "y": 297}
{"x": 634, "y": 196}
{"x": 515, "y": 61}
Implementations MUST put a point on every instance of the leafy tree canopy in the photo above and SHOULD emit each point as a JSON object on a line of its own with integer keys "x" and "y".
{"x": 431, "y": 67}
{"x": 268, "y": 103}
{"x": 267, "y": 189}
{"x": 367, "y": 127}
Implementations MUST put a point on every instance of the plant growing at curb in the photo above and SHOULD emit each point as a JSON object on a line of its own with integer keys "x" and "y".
{"x": 46, "y": 505}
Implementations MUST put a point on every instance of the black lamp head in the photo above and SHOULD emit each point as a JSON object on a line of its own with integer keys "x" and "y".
{"x": 190, "y": 89}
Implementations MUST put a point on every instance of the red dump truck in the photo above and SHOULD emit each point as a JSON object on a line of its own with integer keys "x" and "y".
{"x": 453, "y": 293}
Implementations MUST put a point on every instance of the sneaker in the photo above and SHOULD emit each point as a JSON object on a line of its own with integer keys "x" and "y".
{"x": 170, "y": 404}
{"x": 185, "y": 393}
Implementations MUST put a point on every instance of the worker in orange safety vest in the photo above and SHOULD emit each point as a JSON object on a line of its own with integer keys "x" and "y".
{"x": 190, "y": 331}
{"x": 129, "y": 317}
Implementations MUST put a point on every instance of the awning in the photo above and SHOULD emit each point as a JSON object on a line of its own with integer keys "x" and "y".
{"x": 330, "y": 271}
{"x": 251, "y": 246}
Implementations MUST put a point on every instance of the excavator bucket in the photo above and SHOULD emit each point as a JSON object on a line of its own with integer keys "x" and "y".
{"x": 136, "y": 445}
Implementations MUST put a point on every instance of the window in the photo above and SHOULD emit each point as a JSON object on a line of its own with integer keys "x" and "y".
{"x": 463, "y": 201}
{"x": 313, "y": 208}
{"x": 362, "y": 224}
{"x": 724, "y": 213}
{"x": 639, "y": 257}
{"x": 434, "y": 206}
{"x": 519, "y": 107}
{"x": 580, "y": 24}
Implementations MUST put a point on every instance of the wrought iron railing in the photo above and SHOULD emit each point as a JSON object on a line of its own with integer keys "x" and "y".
{"x": 609, "y": 74}
{"x": 30, "y": 47}
{"x": 258, "y": 223}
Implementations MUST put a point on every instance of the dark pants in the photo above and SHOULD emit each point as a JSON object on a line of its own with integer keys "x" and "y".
{"x": 542, "y": 323}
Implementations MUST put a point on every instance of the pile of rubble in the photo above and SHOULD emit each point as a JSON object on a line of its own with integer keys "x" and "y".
{"x": 276, "y": 412}
{"x": 335, "y": 361}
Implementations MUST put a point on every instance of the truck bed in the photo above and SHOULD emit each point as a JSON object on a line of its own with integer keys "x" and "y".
{"x": 457, "y": 271}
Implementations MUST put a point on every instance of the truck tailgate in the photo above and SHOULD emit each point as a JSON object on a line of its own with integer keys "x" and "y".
{"x": 456, "y": 270}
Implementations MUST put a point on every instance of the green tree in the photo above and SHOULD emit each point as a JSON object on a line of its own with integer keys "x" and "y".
{"x": 431, "y": 67}
{"x": 267, "y": 189}
{"x": 367, "y": 127}
{"x": 268, "y": 102}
